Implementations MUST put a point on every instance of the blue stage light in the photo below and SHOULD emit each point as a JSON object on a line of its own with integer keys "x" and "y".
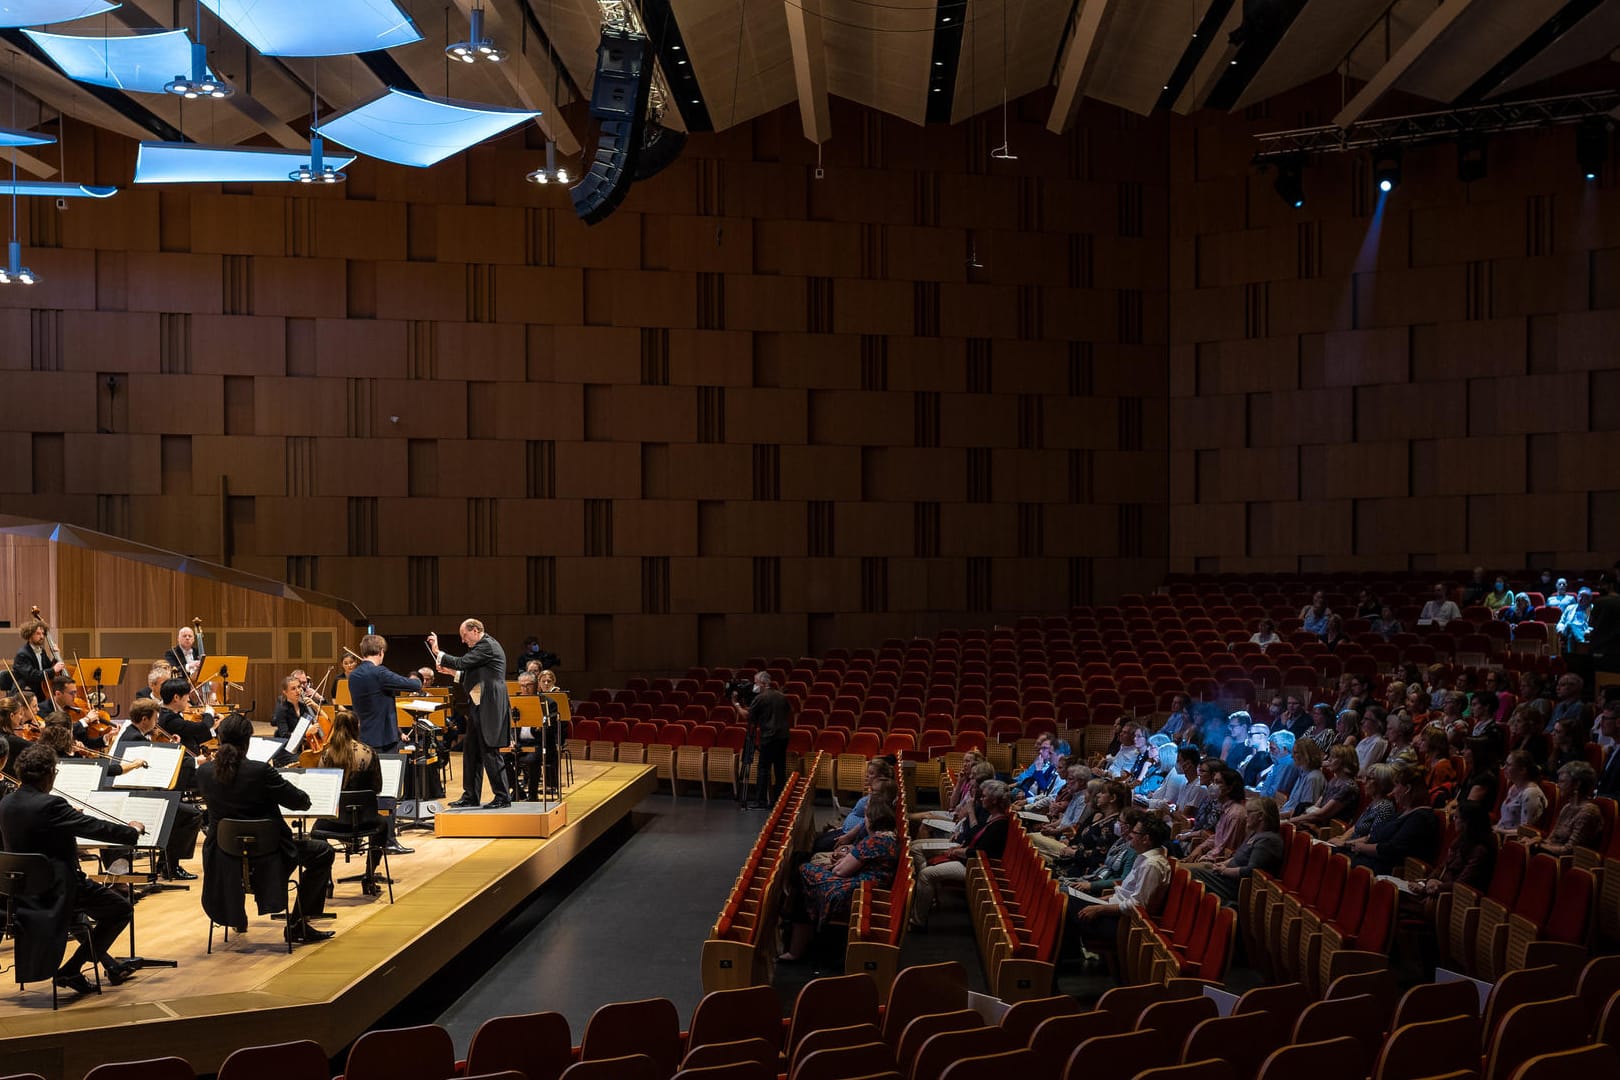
{"x": 413, "y": 129}
{"x": 142, "y": 62}
{"x": 189, "y": 163}
{"x": 14, "y": 137}
{"x": 39, "y": 12}
{"x": 317, "y": 27}
{"x": 55, "y": 189}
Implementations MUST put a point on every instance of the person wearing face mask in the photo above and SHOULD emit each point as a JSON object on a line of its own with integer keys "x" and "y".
{"x": 1162, "y": 753}
{"x": 1116, "y": 865}
{"x": 1500, "y": 597}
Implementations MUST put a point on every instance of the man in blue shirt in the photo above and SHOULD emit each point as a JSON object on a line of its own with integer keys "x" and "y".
{"x": 1577, "y": 618}
{"x": 1277, "y": 780}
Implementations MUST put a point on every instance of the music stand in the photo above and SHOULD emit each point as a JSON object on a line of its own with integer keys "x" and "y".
{"x": 406, "y": 715}
{"x": 101, "y": 670}
{"x": 224, "y": 669}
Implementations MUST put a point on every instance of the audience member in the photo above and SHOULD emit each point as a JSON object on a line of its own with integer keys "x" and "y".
{"x": 1262, "y": 849}
{"x": 1333, "y": 634}
{"x": 1482, "y": 759}
{"x": 1499, "y": 598}
{"x": 1561, "y": 597}
{"x": 1229, "y": 827}
{"x": 1471, "y": 860}
{"x": 1398, "y": 730}
{"x": 1576, "y": 621}
{"x": 1273, "y": 775}
{"x": 1340, "y": 794}
{"x": 1474, "y": 592}
{"x": 1372, "y": 747}
{"x": 1524, "y": 731}
{"x": 1294, "y": 719}
{"x": 1150, "y": 873}
{"x": 1569, "y": 701}
{"x": 1314, "y": 615}
{"x": 1180, "y": 719}
{"x": 1117, "y": 863}
{"x": 837, "y": 836}
{"x": 1161, "y": 753}
{"x": 1379, "y": 809}
{"x": 828, "y": 888}
{"x": 964, "y": 796}
{"x": 1440, "y": 610}
{"x": 1051, "y": 839}
{"x": 1569, "y": 742}
{"x": 1608, "y": 784}
{"x": 1525, "y": 802}
{"x": 1579, "y": 824}
{"x": 951, "y": 864}
{"x": 1266, "y": 635}
{"x": 1308, "y": 785}
{"x": 1322, "y": 731}
{"x": 1181, "y": 781}
{"x": 1239, "y": 742}
{"x": 1434, "y": 754}
{"x": 1092, "y": 842}
{"x": 1414, "y": 831}
{"x": 1387, "y": 624}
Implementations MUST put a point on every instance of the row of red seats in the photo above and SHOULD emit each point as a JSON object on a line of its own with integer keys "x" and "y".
{"x": 1534, "y": 911}
{"x": 1186, "y": 934}
{"x": 879, "y": 917}
{"x": 1018, "y": 913}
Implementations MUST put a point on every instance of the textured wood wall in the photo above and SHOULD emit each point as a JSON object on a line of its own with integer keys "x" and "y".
{"x": 1435, "y": 382}
{"x": 752, "y": 413}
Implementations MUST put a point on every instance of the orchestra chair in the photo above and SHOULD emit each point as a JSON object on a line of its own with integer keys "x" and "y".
{"x": 1055, "y": 1039}
{"x": 1535, "y": 1027}
{"x": 1207, "y": 1069}
{"x": 843, "y": 1062}
{"x": 749, "y": 1012}
{"x": 923, "y": 989}
{"x": 1023, "y": 1017}
{"x": 1429, "y": 1048}
{"x": 1598, "y": 1059}
{"x": 299, "y": 1060}
{"x": 248, "y": 839}
{"x": 736, "y": 1070}
{"x": 1436, "y": 1001}
{"x": 354, "y": 830}
{"x": 992, "y": 1066}
{"x": 23, "y": 877}
{"x": 832, "y": 1038}
{"x": 163, "y": 1068}
{"x": 1120, "y": 1055}
{"x": 937, "y": 1054}
{"x": 424, "y": 1052}
{"x": 1330, "y": 1059}
{"x": 649, "y": 1027}
{"x": 833, "y": 1001}
{"x": 724, "y": 1053}
{"x": 1242, "y": 1040}
{"x": 538, "y": 1045}
{"x": 628, "y": 1067}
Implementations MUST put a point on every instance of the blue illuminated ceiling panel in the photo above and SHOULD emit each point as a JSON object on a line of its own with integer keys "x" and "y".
{"x": 189, "y": 163}
{"x": 54, "y": 189}
{"x": 142, "y": 62}
{"x": 413, "y": 129}
{"x": 316, "y": 27}
{"x": 39, "y": 12}
{"x": 13, "y": 137}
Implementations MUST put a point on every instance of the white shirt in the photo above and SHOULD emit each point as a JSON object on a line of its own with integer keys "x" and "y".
{"x": 1439, "y": 612}
{"x": 1148, "y": 877}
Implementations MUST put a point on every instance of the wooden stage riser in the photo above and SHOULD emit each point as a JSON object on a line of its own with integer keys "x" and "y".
{"x": 330, "y": 993}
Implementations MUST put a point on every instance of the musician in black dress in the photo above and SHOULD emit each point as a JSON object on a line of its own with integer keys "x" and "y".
{"x": 33, "y": 821}
{"x": 237, "y": 788}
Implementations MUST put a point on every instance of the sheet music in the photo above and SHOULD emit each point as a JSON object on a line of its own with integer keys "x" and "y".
{"x": 1083, "y": 896}
{"x": 102, "y": 804}
{"x": 1401, "y": 884}
{"x": 153, "y": 811}
{"x": 162, "y": 767}
{"x": 296, "y": 739}
{"x": 420, "y": 705}
{"x": 262, "y": 749}
{"x": 323, "y": 786}
{"x": 77, "y": 780}
{"x": 393, "y": 775}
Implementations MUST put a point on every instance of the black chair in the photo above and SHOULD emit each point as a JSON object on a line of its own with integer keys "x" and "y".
{"x": 355, "y": 830}
{"x": 23, "y": 877}
{"x": 249, "y": 839}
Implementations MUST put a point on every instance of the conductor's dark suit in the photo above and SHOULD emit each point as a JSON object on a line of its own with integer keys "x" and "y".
{"x": 483, "y": 676}
{"x": 259, "y": 791}
{"x": 34, "y": 822}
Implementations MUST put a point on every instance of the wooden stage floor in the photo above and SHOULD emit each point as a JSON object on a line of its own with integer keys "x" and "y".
{"x": 251, "y": 992}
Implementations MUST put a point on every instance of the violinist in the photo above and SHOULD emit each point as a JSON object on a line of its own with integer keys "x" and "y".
{"x": 15, "y": 741}
{"x": 126, "y": 756}
{"x": 33, "y": 821}
{"x": 191, "y": 733}
{"x": 67, "y": 702}
{"x": 187, "y": 654}
{"x": 34, "y": 662}
{"x": 155, "y": 678}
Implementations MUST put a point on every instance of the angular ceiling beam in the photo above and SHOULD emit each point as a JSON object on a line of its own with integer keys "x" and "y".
{"x": 1090, "y": 26}
{"x": 1422, "y": 39}
{"x": 809, "y": 67}
{"x": 530, "y": 81}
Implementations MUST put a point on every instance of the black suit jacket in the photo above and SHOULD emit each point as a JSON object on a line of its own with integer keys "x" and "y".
{"x": 483, "y": 666}
{"x": 257, "y": 791}
{"x": 178, "y": 660}
{"x": 30, "y": 675}
{"x": 32, "y": 821}
{"x": 192, "y": 733}
{"x": 372, "y": 688}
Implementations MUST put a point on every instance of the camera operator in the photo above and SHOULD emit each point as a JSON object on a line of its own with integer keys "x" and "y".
{"x": 770, "y": 715}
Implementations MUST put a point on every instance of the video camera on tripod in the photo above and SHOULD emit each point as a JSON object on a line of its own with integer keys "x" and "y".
{"x": 741, "y": 691}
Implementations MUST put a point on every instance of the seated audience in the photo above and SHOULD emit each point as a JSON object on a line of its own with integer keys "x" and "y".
{"x": 1314, "y": 615}
{"x": 1333, "y": 634}
{"x": 1440, "y": 610}
{"x": 1387, "y": 624}
{"x": 1482, "y": 762}
{"x": 1471, "y": 860}
{"x": 1568, "y": 701}
{"x": 1262, "y": 849}
{"x": 1162, "y": 762}
{"x": 828, "y": 889}
{"x": 1277, "y": 779}
{"x": 1053, "y": 838}
{"x": 1150, "y": 873}
{"x": 1576, "y": 620}
{"x": 1520, "y": 612}
{"x": 1379, "y": 809}
{"x": 1608, "y": 784}
{"x": 1116, "y": 864}
{"x": 1266, "y": 635}
{"x": 1239, "y": 742}
{"x": 1323, "y": 730}
{"x": 1180, "y": 719}
{"x": 1414, "y": 831}
{"x": 1579, "y": 823}
{"x": 1569, "y": 741}
{"x": 1525, "y": 733}
{"x": 951, "y": 864}
{"x": 1561, "y": 597}
{"x": 1340, "y": 794}
{"x": 1309, "y": 783}
{"x": 1092, "y": 842}
{"x": 1372, "y": 747}
{"x": 837, "y": 836}
{"x": 1434, "y": 754}
{"x": 1229, "y": 828}
{"x": 963, "y": 798}
{"x": 1525, "y": 802}
{"x": 1180, "y": 781}
{"x": 1499, "y": 597}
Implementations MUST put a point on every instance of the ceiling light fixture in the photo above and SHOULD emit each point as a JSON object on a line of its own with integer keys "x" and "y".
{"x": 478, "y": 46}
{"x": 552, "y": 173}
{"x": 317, "y": 171}
{"x": 202, "y": 83}
{"x": 14, "y": 270}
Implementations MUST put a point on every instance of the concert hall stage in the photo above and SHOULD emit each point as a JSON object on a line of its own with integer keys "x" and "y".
{"x": 252, "y": 992}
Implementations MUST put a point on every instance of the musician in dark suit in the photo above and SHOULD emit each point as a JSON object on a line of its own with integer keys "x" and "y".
{"x": 191, "y": 733}
{"x": 483, "y": 674}
{"x": 33, "y": 661}
{"x": 187, "y": 655}
{"x": 125, "y": 756}
{"x": 372, "y": 688}
{"x": 33, "y": 821}
{"x": 236, "y": 788}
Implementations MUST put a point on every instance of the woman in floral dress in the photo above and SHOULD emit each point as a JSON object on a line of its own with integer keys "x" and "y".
{"x": 827, "y": 890}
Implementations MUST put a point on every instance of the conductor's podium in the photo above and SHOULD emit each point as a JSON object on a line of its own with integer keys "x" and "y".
{"x": 527, "y": 820}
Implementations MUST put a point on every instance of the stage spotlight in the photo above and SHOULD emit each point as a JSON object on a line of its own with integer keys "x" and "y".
{"x": 1471, "y": 160}
{"x": 1290, "y": 183}
{"x": 1386, "y": 169}
{"x": 1592, "y": 146}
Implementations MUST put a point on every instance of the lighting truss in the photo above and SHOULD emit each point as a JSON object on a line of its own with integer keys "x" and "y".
{"x": 1437, "y": 126}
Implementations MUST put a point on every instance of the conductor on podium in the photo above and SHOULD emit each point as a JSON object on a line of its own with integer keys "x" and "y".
{"x": 483, "y": 674}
